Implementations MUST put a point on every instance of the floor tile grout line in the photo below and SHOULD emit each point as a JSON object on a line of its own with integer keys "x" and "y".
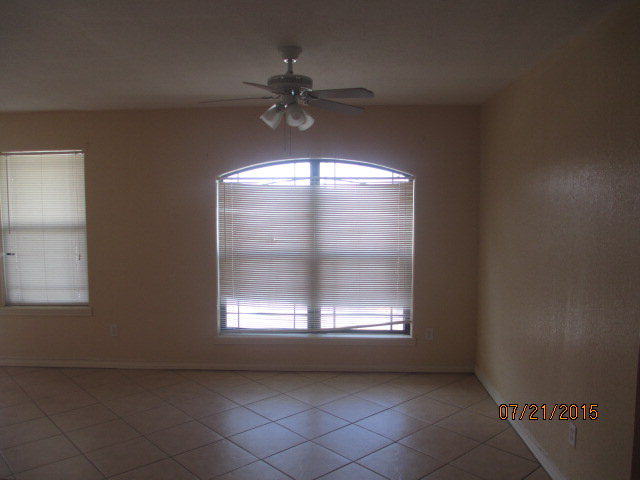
{"x": 539, "y": 468}
{"x": 232, "y": 400}
{"x": 337, "y": 453}
{"x": 200, "y": 446}
{"x": 206, "y": 426}
{"x": 349, "y": 422}
{"x": 25, "y": 421}
{"x": 64, "y": 433}
{"x": 223, "y": 437}
{"x": 144, "y": 390}
{"x": 510, "y": 453}
{"x": 258, "y": 460}
{"x": 237, "y": 405}
{"x": 311, "y": 382}
{"x": 262, "y": 458}
{"x": 172, "y": 455}
{"x": 467, "y": 471}
{"x": 14, "y": 472}
{"x": 444, "y": 427}
{"x": 476, "y": 474}
{"x": 248, "y": 405}
{"x": 131, "y": 469}
{"x": 435, "y": 424}
{"x": 450, "y": 403}
{"x": 447, "y": 403}
{"x": 109, "y": 445}
{"x": 403, "y": 401}
{"x": 11, "y": 469}
{"x": 208, "y": 388}
{"x": 28, "y": 442}
{"x": 354, "y": 460}
{"x": 281, "y": 391}
{"x": 410, "y": 448}
{"x": 367, "y": 468}
{"x": 351, "y": 462}
{"x": 444, "y": 385}
{"x": 2, "y": 456}
{"x": 448, "y": 464}
{"x": 385, "y": 436}
{"x": 297, "y": 445}
{"x": 186, "y": 468}
{"x": 319, "y": 404}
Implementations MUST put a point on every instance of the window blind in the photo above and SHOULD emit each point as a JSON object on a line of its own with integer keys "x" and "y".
{"x": 290, "y": 253}
{"x": 43, "y": 228}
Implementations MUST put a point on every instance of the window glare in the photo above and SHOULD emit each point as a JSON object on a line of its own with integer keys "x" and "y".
{"x": 298, "y": 173}
{"x": 287, "y": 173}
{"x": 290, "y": 316}
{"x": 350, "y": 170}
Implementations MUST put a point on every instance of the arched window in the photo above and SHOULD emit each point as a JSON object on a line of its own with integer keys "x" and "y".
{"x": 315, "y": 246}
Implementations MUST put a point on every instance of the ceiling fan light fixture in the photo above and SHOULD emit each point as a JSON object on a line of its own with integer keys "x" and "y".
{"x": 308, "y": 122}
{"x": 292, "y": 91}
{"x": 295, "y": 115}
{"x": 273, "y": 116}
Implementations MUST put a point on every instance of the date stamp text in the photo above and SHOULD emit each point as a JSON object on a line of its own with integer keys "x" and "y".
{"x": 542, "y": 411}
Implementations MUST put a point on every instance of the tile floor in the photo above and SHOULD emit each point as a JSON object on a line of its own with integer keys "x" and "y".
{"x": 96, "y": 424}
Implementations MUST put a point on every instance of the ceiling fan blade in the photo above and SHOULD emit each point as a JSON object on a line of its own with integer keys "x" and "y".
{"x": 335, "y": 106}
{"x": 264, "y": 87}
{"x": 244, "y": 98}
{"x": 342, "y": 93}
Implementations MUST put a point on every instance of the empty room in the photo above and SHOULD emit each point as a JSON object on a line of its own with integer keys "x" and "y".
{"x": 337, "y": 240}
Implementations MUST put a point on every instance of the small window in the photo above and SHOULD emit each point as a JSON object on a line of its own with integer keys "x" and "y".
{"x": 44, "y": 248}
{"x": 315, "y": 246}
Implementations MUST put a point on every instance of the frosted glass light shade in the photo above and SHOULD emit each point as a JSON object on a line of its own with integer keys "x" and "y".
{"x": 308, "y": 121}
{"x": 295, "y": 115}
{"x": 273, "y": 116}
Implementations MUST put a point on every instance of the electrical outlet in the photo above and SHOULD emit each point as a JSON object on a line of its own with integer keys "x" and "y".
{"x": 113, "y": 329}
{"x": 428, "y": 334}
{"x": 573, "y": 433}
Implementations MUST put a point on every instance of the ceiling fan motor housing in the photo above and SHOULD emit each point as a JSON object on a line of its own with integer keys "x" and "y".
{"x": 290, "y": 84}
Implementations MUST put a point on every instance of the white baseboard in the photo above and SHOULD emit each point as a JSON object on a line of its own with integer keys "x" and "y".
{"x": 96, "y": 363}
{"x": 540, "y": 453}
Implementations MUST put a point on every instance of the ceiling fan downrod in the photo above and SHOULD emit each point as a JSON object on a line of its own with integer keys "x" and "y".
{"x": 290, "y": 54}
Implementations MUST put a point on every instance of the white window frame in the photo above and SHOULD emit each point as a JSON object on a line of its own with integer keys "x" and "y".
{"x": 40, "y": 309}
{"x": 373, "y": 337}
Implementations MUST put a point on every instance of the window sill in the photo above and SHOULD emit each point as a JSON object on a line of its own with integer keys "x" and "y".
{"x": 314, "y": 339}
{"x": 46, "y": 310}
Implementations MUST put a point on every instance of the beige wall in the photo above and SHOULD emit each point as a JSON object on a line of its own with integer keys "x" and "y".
{"x": 559, "y": 260}
{"x": 151, "y": 231}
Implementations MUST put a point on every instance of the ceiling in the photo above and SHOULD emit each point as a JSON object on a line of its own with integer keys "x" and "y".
{"x": 123, "y": 54}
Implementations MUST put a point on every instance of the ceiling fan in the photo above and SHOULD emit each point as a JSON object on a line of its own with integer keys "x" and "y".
{"x": 292, "y": 92}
